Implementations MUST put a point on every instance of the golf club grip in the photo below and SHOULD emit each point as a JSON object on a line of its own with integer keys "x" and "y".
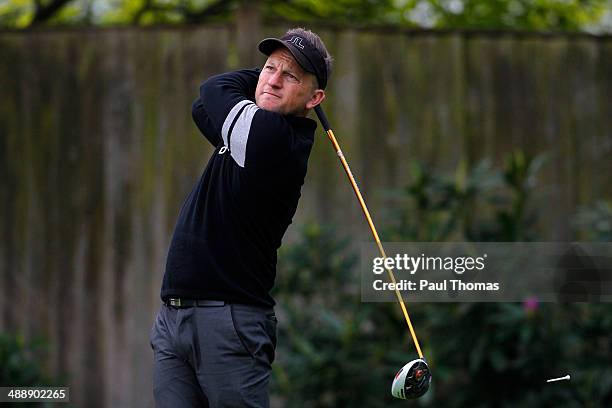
{"x": 322, "y": 117}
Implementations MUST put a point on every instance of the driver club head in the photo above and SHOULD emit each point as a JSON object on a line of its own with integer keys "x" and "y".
{"x": 412, "y": 380}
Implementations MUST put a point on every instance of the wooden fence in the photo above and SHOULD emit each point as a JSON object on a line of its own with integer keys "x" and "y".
{"x": 98, "y": 151}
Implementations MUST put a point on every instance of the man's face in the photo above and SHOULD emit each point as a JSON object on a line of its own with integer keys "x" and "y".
{"x": 283, "y": 86}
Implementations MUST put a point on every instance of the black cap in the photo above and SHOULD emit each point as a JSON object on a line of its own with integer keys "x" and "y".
{"x": 309, "y": 58}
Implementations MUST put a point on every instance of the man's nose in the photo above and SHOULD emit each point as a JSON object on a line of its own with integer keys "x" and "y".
{"x": 275, "y": 79}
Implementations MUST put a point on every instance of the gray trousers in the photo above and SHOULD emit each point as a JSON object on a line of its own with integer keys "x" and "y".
{"x": 213, "y": 356}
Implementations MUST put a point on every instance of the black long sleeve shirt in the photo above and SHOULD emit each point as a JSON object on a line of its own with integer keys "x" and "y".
{"x": 231, "y": 225}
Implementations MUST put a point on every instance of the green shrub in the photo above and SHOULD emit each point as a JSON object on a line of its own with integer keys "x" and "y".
{"x": 20, "y": 365}
{"x": 335, "y": 351}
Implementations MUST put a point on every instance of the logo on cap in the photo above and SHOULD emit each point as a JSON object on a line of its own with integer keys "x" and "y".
{"x": 297, "y": 41}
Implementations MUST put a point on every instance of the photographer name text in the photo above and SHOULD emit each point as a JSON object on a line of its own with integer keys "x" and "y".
{"x": 442, "y": 286}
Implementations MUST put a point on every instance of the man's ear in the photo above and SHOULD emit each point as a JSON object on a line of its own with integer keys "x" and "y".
{"x": 317, "y": 98}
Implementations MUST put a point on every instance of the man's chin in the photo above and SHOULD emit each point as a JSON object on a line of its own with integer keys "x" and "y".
{"x": 270, "y": 107}
{"x": 273, "y": 107}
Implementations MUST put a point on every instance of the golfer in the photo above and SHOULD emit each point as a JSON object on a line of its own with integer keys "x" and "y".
{"x": 214, "y": 337}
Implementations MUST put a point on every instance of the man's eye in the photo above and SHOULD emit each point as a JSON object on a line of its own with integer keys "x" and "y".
{"x": 269, "y": 68}
{"x": 292, "y": 77}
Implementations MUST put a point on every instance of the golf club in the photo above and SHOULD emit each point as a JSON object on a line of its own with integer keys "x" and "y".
{"x": 412, "y": 380}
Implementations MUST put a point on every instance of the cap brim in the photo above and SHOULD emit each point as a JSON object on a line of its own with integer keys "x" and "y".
{"x": 268, "y": 45}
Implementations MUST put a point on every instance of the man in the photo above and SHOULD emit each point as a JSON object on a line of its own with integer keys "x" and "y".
{"x": 214, "y": 338}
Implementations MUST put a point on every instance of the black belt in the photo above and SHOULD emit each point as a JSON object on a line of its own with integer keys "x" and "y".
{"x": 180, "y": 303}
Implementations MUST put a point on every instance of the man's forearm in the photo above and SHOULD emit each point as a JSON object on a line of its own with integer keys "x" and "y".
{"x": 203, "y": 122}
{"x": 218, "y": 94}
{"x": 230, "y": 85}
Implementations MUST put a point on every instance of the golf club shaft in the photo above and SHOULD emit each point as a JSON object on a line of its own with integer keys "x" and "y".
{"x": 347, "y": 169}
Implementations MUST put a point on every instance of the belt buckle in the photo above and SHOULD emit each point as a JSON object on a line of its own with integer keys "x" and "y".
{"x": 175, "y": 302}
